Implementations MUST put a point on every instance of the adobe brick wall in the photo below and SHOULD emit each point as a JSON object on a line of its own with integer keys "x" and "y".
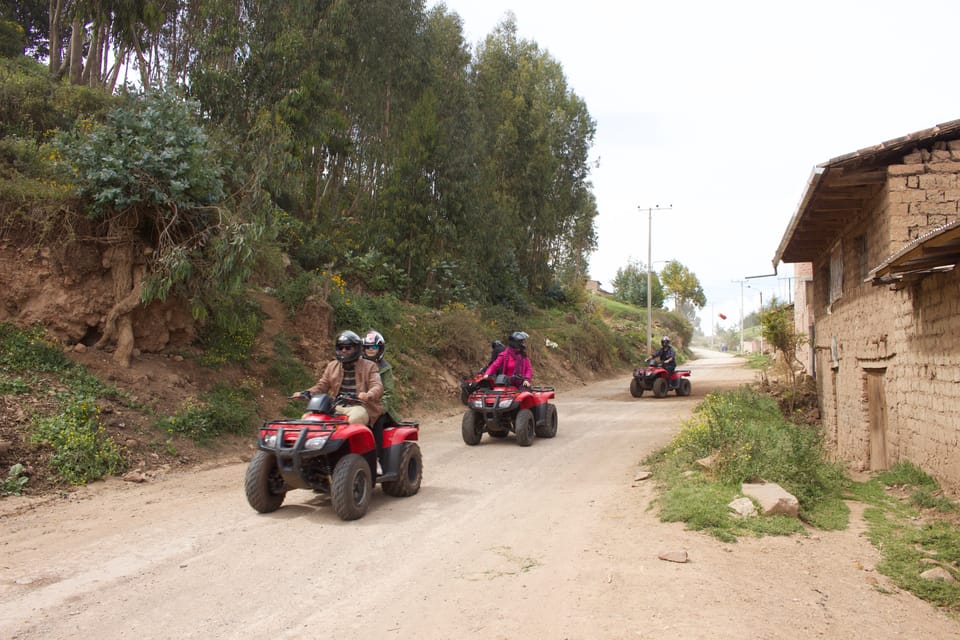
{"x": 909, "y": 338}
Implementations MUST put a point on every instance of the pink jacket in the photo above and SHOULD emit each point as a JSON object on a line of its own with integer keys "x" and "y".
{"x": 511, "y": 363}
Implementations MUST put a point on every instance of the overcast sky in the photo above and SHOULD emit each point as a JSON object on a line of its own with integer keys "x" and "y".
{"x": 722, "y": 110}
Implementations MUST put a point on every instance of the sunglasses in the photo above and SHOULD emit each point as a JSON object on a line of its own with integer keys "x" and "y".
{"x": 371, "y": 347}
{"x": 344, "y": 347}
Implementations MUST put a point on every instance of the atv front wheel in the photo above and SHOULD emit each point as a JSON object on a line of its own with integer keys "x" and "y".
{"x": 351, "y": 488}
{"x": 549, "y": 427}
{"x": 472, "y": 427}
{"x": 263, "y": 484}
{"x": 683, "y": 387}
{"x": 660, "y": 387}
{"x": 523, "y": 425}
{"x": 409, "y": 473}
{"x": 636, "y": 388}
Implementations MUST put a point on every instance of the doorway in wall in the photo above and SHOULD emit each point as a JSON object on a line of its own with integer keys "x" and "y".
{"x": 877, "y": 412}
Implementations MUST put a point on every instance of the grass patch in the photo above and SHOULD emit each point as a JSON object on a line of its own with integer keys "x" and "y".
{"x": 916, "y": 529}
{"x": 82, "y": 449}
{"x": 224, "y": 410}
{"x": 749, "y": 439}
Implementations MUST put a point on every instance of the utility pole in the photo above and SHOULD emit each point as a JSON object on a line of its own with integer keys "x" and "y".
{"x": 761, "y": 322}
{"x": 650, "y": 211}
{"x": 741, "y": 311}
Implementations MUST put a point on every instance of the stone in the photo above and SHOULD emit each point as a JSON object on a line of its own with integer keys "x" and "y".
{"x": 743, "y": 507}
{"x": 938, "y": 573}
{"x": 773, "y": 499}
{"x": 674, "y": 556}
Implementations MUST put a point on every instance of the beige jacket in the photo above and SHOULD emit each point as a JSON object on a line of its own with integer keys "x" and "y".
{"x": 369, "y": 386}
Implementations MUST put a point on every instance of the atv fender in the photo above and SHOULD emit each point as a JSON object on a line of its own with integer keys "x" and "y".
{"x": 359, "y": 435}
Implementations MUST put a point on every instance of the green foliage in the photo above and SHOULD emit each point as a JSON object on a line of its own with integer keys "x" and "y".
{"x": 630, "y": 286}
{"x": 30, "y": 351}
{"x": 750, "y": 440}
{"x": 12, "y": 386}
{"x": 223, "y": 410}
{"x": 15, "y": 482}
{"x": 231, "y": 332}
{"x": 910, "y": 542}
{"x": 150, "y": 154}
{"x": 926, "y": 494}
{"x": 82, "y": 449}
{"x": 33, "y": 104}
{"x": 684, "y": 286}
{"x": 286, "y": 372}
{"x": 906, "y": 474}
{"x": 295, "y": 292}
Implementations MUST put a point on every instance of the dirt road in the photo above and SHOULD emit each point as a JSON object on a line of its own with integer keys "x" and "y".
{"x": 550, "y": 541}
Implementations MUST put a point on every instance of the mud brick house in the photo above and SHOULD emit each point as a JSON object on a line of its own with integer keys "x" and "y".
{"x": 880, "y": 228}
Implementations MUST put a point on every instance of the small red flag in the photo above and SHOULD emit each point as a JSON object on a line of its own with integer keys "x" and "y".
{"x": 722, "y": 317}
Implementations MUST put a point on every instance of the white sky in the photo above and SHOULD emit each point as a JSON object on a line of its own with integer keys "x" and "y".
{"x": 722, "y": 109}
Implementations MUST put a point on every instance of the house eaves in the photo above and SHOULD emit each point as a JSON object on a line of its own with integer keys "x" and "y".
{"x": 839, "y": 189}
{"x": 933, "y": 252}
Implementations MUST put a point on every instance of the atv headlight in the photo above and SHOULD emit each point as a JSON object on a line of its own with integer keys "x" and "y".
{"x": 316, "y": 442}
{"x": 270, "y": 440}
{"x": 478, "y": 404}
{"x": 505, "y": 403}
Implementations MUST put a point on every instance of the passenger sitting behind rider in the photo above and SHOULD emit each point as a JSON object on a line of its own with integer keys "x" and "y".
{"x": 350, "y": 375}
{"x": 513, "y": 361}
{"x": 667, "y": 355}
{"x": 374, "y": 347}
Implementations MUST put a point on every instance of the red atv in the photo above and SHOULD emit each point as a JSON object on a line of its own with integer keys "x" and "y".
{"x": 324, "y": 452}
{"x": 655, "y": 378}
{"x": 499, "y": 408}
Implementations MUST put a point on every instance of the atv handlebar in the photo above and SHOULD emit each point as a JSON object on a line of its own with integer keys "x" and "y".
{"x": 342, "y": 398}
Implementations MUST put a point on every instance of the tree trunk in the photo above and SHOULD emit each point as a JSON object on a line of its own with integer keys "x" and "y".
{"x": 77, "y": 35}
{"x": 56, "y": 49}
{"x": 128, "y": 289}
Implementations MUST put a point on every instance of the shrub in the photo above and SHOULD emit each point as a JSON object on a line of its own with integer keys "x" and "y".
{"x": 14, "y": 483}
{"x": 82, "y": 449}
{"x": 224, "y": 410}
{"x": 231, "y": 332}
{"x": 751, "y": 439}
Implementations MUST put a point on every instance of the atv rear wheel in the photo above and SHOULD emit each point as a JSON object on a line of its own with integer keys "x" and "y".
{"x": 523, "y": 426}
{"x": 549, "y": 427}
{"x": 409, "y": 473}
{"x": 660, "y": 387}
{"x": 351, "y": 488}
{"x": 263, "y": 483}
{"x": 472, "y": 427}
{"x": 636, "y": 388}
{"x": 683, "y": 387}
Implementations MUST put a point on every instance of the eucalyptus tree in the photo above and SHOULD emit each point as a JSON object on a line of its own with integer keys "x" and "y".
{"x": 630, "y": 286}
{"x": 684, "y": 286}
{"x": 106, "y": 36}
{"x": 536, "y": 136}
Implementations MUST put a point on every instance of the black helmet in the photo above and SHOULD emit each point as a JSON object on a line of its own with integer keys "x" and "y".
{"x": 373, "y": 339}
{"x": 664, "y": 341}
{"x": 348, "y": 346}
{"x": 518, "y": 340}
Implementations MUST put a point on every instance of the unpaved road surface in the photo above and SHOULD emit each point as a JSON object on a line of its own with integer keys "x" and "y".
{"x": 555, "y": 540}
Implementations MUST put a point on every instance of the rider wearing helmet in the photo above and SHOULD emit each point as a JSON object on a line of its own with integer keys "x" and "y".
{"x": 350, "y": 375}
{"x": 666, "y": 354}
{"x": 513, "y": 361}
{"x": 374, "y": 348}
